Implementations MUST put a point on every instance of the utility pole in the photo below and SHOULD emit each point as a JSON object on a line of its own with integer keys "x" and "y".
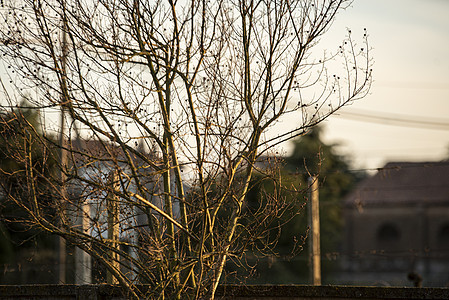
{"x": 62, "y": 165}
{"x": 113, "y": 226}
{"x": 83, "y": 264}
{"x": 61, "y": 240}
{"x": 314, "y": 234}
{"x": 63, "y": 147}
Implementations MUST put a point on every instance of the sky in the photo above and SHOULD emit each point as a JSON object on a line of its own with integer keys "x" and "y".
{"x": 410, "y": 48}
{"x": 410, "y": 41}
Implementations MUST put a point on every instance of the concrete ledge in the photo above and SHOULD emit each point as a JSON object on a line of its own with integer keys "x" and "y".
{"x": 265, "y": 292}
{"x": 329, "y": 292}
{"x": 60, "y": 291}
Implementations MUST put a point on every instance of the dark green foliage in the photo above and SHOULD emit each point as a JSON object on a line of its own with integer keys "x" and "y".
{"x": 26, "y": 169}
{"x": 310, "y": 157}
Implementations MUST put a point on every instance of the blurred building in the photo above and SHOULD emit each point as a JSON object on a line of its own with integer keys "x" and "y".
{"x": 397, "y": 227}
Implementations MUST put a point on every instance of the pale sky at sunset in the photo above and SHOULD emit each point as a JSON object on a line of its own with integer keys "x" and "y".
{"x": 410, "y": 40}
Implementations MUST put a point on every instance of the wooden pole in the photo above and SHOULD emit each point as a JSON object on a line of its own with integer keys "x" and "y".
{"x": 314, "y": 235}
{"x": 63, "y": 154}
{"x": 113, "y": 227}
{"x": 83, "y": 264}
{"x": 62, "y": 165}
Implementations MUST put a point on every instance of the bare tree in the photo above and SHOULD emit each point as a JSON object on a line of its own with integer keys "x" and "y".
{"x": 169, "y": 103}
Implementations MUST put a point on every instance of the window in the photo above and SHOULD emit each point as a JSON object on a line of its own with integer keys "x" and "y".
{"x": 388, "y": 232}
{"x": 443, "y": 234}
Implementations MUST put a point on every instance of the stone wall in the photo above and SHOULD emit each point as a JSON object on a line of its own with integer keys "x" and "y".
{"x": 278, "y": 292}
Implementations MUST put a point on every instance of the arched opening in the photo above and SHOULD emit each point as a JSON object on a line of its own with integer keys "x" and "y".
{"x": 443, "y": 234}
{"x": 388, "y": 232}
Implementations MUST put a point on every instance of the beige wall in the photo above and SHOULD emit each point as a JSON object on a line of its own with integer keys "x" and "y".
{"x": 421, "y": 244}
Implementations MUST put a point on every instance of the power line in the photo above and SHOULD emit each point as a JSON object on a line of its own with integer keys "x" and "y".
{"x": 394, "y": 119}
{"x": 413, "y": 85}
{"x": 400, "y": 166}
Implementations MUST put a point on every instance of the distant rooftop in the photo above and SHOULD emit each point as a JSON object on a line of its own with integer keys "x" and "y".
{"x": 399, "y": 183}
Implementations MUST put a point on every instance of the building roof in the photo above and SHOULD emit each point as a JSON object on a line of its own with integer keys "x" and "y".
{"x": 399, "y": 183}
{"x": 89, "y": 151}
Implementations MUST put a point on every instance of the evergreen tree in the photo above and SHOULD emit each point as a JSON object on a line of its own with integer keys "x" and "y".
{"x": 311, "y": 156}
{"x": 21, "y": 152}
